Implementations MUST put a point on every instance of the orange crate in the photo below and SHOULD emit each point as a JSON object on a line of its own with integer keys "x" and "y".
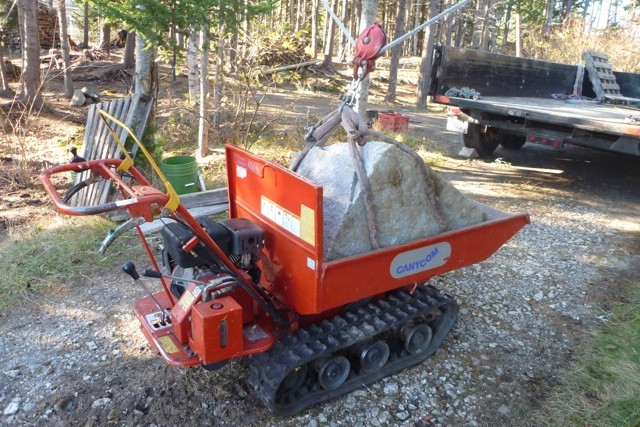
{"x": 393, "y": 122}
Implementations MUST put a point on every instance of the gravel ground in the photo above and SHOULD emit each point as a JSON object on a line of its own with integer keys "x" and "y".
{"x": 77, "y": 357}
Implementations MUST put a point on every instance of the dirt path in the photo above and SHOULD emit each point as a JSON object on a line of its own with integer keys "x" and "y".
{"x": 77, "y": 358}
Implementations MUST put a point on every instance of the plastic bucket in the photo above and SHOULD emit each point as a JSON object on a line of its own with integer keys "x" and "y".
{"x": 182, "y": 173}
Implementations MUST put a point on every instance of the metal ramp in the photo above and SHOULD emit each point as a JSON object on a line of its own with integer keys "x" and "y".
{"x": 604, "y": 81}
{"x": 98, "y": 143}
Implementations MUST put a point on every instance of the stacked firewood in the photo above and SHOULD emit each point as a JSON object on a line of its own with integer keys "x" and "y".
{"x": 282, "y": 50}
{"x": 47, "y": 25}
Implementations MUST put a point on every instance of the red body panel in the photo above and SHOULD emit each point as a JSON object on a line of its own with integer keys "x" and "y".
{"x": 216, "y": 328}
{"x": 289, "y": 210}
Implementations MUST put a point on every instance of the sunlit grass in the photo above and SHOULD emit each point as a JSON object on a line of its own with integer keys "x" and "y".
{"x": 46, "y": 256}
{"x": 604, "y": 388}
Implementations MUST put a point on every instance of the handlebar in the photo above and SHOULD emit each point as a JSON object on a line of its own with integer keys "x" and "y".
{"x": 143, "y": 201}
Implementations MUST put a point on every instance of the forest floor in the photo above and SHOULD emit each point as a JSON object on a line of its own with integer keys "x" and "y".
{"x": 73, "y": 355}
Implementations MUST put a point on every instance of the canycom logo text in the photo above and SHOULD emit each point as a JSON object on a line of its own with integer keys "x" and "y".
{"x": 419, "y": 260}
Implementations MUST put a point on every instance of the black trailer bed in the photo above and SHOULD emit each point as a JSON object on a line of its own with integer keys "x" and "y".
{"x": 587, "y": 115}
{"x": 517, "y": 103}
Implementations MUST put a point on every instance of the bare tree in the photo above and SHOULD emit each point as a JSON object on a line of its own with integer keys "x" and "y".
{"x": 479, "y": 24}
{"x": 192, "y": 63}
{"x": 85, "y": 33}
{"x": 3, "y": 78}
{"x": 64, "y": 44}
{"x": 549, "y": 17}
{"x": 128, "y": 58}
{"x": 425, "y": 64}
{"x": 203, "y": 125}
{"x": 396, "y": 51}
{"x": 314, "y": 29}
{"x": 146, "y": 73}
{"x": 28, "y": 12}
{"x": 368, "y": 17}
{"x": 328, "y": 43}
{"x": 105, "y": 36}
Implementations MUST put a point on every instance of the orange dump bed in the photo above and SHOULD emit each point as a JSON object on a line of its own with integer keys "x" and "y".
{"x": 289, "y": 209}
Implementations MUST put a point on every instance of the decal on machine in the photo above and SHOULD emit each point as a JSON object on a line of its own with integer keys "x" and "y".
{"x": 241, "y": 172}
{"x": 300, "y": 226}
{"x": 419, "y": 260}
{"x": 167, "y": 344}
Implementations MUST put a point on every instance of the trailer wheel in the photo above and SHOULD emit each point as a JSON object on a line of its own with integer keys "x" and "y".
{"x": 484, "y": 143}
{"x": 510, "y": 141}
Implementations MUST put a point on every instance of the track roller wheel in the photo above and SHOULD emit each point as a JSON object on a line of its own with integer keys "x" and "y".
{"x": 373, "y": 356}
{"x": 292, "y": 383}
{"x": 416, "y": 338}
{"x": 333, "y": 372}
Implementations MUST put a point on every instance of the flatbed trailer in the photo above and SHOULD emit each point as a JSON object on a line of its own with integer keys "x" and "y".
{"x": 516, "y": 103}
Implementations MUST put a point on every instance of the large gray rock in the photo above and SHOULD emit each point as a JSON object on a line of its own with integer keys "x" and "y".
{"x": 403, "y": 208}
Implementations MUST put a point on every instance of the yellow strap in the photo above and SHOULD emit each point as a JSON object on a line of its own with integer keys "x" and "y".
{"x": 174, "y": 200}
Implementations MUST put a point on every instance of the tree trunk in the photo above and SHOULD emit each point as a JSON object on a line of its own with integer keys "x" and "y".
{"x": 203, "y": 125}
{"x": 368, "y": 17}
{"x": 145, "y": 77}
{"x": 424, "y": 82}
{"x": 85, "y": 30}
{"x": 31, "y": 53}
{"x": 105, "y": 37}
{"x": 245, "y": 29}
{"x": 487, "y": 27}
{"x": 459, "y": 39}
{"x": 492, "y": 28}
{"x": 507, "y": 21}
{"x": 518, "y": 39}
{"x": 328, "y": 45}
{"x": 219, "y": 83}
{"x": 3, "y": 78}
{"x": 314, "y": 28}
{"x": 344, "y": 42}
{"x": 64, "y": 44}
{"x": 396, "y": 51}
{"x": 414, "y": 19}
{"x": 129, "y": 58}
{"x": 549, "y": 17}
{"x": 233, "y": 52}
{"x": 479, "y": 24}
{"x": 449, "y": 22}
{"x": 192, "y": 64}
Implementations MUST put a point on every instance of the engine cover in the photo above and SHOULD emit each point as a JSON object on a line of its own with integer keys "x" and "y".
{"x": 176, "y": 235}
{"x": 236, "y": 237}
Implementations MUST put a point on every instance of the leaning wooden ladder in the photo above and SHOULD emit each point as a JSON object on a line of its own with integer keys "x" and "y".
{"x": 98, "y": 143}
{"x": 604, "y": 82}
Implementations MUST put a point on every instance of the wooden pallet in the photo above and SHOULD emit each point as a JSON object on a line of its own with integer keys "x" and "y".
{"x": 98, "y": 143}
{"x": 603, "y": 80}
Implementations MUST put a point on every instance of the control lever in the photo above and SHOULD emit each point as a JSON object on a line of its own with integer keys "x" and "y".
{"x": 130, "y": 269}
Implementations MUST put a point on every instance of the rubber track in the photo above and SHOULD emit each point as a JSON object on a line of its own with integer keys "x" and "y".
{"x": 268, "y": 369}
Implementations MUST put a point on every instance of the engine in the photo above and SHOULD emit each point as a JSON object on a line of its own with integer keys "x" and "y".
{"x": 239, "y": 238}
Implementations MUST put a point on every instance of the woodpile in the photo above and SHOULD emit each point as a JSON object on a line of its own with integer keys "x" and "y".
{"x": 285, "y": 49}
{"x": 47, "y": 24}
